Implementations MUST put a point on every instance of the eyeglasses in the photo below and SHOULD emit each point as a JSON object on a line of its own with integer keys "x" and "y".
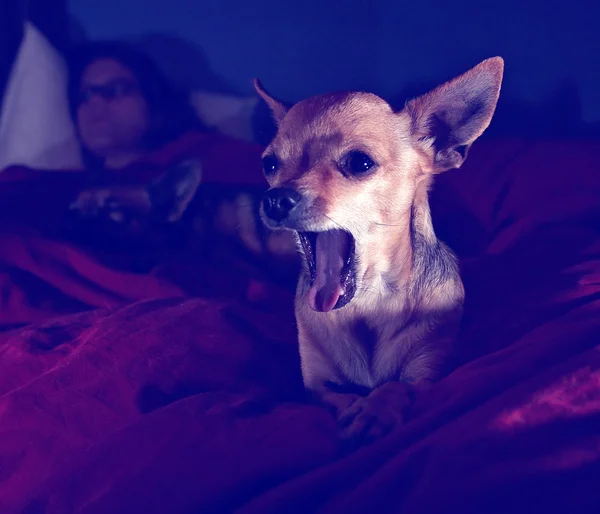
{"x": 117, "y": 88}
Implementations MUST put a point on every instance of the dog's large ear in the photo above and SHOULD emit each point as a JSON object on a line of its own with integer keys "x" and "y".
{"x": 447, "y": 120}
{"x": 278, "y": 108}
{"x": 171, "y": 194}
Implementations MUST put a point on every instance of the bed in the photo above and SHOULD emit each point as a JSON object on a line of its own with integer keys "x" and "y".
{"x": 125, "y": 392}
{"x": 179, "y": 390}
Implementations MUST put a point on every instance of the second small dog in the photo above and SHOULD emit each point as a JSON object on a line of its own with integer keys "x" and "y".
{"x": 380, "y": 299}
{"x": 177, "y": 212}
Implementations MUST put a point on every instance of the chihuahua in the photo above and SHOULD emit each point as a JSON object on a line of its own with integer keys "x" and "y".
{"x": 379, "y": 300}
{"x": 178, "y": 210}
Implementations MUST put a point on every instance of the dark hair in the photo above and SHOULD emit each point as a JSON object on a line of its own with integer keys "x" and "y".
{"x": 171, "y": 113}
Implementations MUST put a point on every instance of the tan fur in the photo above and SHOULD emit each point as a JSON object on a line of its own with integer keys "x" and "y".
{"x": 403, "y": 319}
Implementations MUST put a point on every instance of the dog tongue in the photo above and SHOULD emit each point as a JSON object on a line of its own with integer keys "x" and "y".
{"x": 331, "y": 251}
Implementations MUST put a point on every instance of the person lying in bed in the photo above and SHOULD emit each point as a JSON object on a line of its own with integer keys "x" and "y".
{"x": 155, "y": 179}
{"x": 146, "y": 151}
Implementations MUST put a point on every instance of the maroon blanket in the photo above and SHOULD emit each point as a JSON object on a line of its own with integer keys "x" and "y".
{"x": 181, "y": 393}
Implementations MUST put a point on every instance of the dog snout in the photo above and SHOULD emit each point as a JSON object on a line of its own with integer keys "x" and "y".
{"x": 278, "y": 203}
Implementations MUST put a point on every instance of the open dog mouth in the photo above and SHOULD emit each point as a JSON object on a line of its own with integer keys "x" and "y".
{"x": 330, "y": 257}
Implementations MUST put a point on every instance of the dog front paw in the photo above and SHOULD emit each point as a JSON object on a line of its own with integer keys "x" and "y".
{"x": 338, "y": 403}
{"x": 374, "y": 416}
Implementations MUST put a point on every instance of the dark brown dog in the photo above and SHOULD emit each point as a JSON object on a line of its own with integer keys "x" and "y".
{"x": 177, "y": 211}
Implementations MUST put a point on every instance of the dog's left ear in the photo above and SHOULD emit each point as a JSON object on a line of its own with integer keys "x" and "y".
{"x": 171, "y": 194}
{"x": 278, "y": 108}
{"x": 447, "y": 120}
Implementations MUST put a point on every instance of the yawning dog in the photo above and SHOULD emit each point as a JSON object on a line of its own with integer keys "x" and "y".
{"x": 380, "y": 298}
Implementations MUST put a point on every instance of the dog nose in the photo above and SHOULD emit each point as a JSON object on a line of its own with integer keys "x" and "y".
{"x": 279, "y": 202}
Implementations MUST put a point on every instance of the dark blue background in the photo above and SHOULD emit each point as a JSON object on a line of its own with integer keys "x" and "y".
{"x": 394, "y": 48}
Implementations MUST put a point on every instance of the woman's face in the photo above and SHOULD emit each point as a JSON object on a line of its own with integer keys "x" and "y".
{"x": 112, "y": 115}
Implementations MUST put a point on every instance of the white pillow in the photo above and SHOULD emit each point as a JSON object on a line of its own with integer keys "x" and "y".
{"x": 229, "y": 115}
{"x": 35, "y": 126}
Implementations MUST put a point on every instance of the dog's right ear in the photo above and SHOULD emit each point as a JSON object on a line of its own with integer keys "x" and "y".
{"x": 446, "y": 121}
{"x": 171, "y": 193}
{"x": 278, "y": 108}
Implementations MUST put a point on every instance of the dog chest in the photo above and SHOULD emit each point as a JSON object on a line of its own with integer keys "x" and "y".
{"x": 364, "y": 351}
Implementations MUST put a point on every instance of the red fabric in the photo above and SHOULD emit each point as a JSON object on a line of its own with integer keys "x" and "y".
{"x": 145, "y": 400}
{"x": 40, "y": 275}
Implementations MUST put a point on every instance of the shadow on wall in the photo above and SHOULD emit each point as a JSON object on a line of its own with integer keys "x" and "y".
{"x": 183, "y": 61}
{"x": 189, "y": 67}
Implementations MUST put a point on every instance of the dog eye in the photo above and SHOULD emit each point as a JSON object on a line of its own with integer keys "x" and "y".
{"x": 270, "y": 164}
{"x": 357, "y": 163}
